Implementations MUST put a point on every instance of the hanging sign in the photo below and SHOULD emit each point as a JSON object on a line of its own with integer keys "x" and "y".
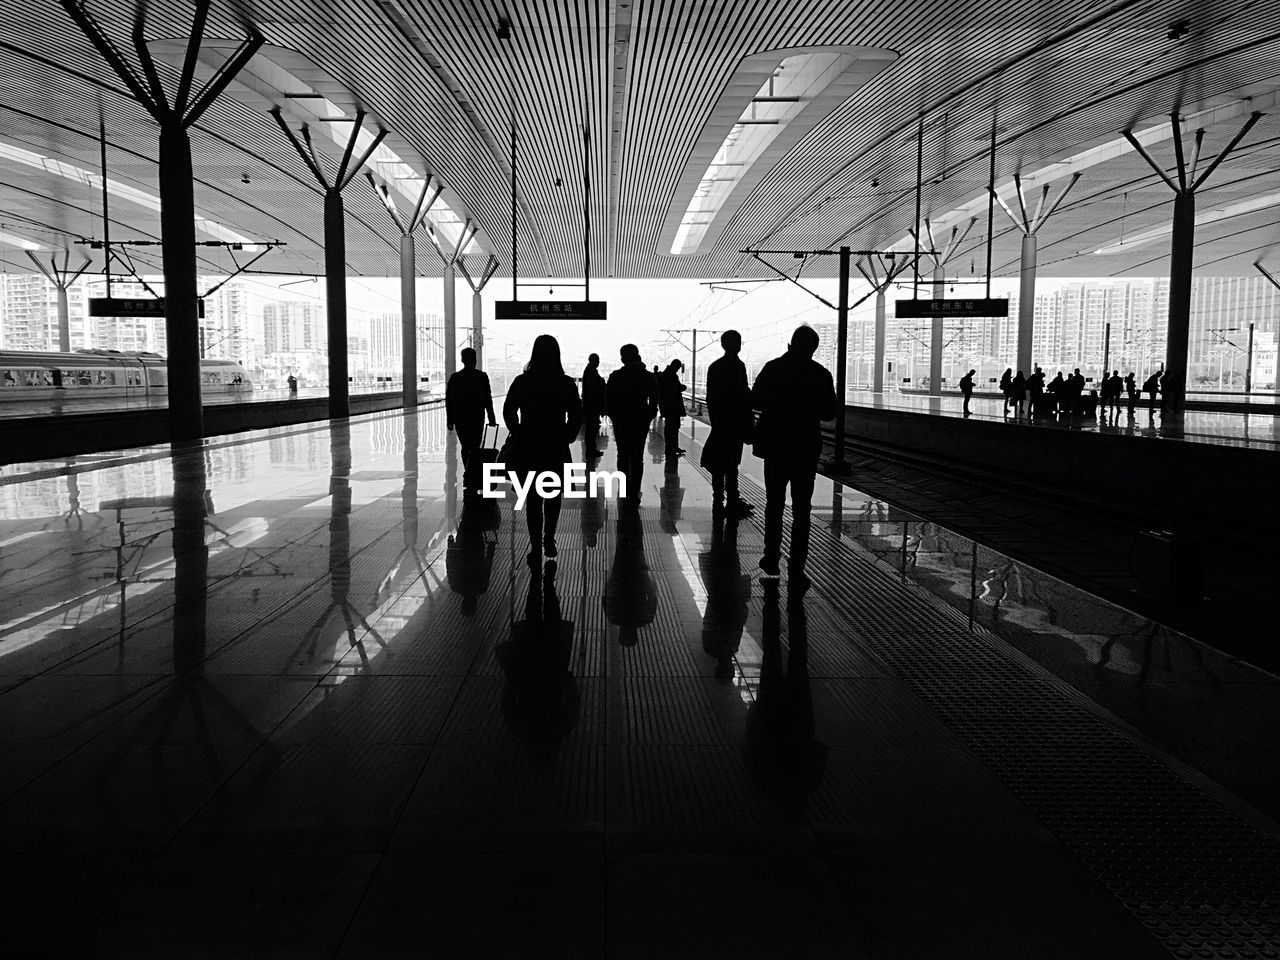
{"x": 921, "y": 309}
{"x": 550, "y": 310}
{"x": 133, "y": 307}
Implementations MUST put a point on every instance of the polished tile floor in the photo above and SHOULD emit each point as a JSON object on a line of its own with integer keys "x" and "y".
{"x": 293, "y": 695}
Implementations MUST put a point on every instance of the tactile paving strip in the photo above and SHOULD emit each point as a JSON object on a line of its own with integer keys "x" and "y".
{"x": 1199, "y": 878}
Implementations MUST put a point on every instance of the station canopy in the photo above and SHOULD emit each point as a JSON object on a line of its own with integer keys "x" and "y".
{"x": 706, "y": 128}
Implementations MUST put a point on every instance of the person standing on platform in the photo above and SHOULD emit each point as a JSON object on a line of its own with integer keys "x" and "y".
{"x": 1151, "y": 387}
{"x": 729, "y": 409}
{"x": 1117, "y": 388}
{"x": 1018, "y": 394}
{"x": 966, "y": 389}
{"x": 293, "y": 385}
{"x": 467, "y": 398}
{"x": 593, "y": 406}
{"x": 631, "y": 400}
{"x": 544, "y": 414}
{"x": 1035, "y": 390}
{"x": 1006, "y": 387}
{"x": 1131, "y": 388}
{"x": 671, "y": 406}
{"x": 794, "y": 394}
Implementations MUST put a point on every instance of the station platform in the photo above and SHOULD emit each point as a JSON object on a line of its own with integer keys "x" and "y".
{"x": 289, "y": 693}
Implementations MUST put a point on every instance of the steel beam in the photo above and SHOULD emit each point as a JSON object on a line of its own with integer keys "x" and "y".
{"x": 1027, "y": 304}
{"x": 842, "y": 359}
{"x": 936, "y": 333}
{"x": 1181, "y": 266}
{"x": 408, "y": 320}
{"x": 178, "y": 255}
{"x": 877, "y": 378}
{"x": 449, "y": 280}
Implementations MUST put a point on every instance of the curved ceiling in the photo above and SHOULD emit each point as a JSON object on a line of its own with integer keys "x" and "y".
{"x": 644, "y": 79}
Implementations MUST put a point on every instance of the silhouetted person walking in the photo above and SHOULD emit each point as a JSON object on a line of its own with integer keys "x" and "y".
{"x": 631, "y": 399}
{"x": 593, "y": 406}
{"x": 729, "y": 409}
{"x": 794, "y": 395}
{"x": 467, "y": 398}
{"x": 671, "y": 405}
{"x": 966, "y": 389}
{"x": 543, "y": 414}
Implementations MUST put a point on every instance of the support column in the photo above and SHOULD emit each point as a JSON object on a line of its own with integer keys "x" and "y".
{"x": 1181, "y": 267}
{"x": 842, "y": 359}
{"x": 1026, "y": 304}
{"x": 450, "y": 322}
{"x": 62, "y": 278}
{"x": 936, "y": 334}
{"x": 477, "y": 328}
{"x": 178, "y": 252}
{"x": 877, "y": 378}
{"x": 335, "y": 285}
{"x": 408, "y": 320}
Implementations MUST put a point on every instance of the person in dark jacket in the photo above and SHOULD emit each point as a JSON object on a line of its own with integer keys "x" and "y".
{"x": 1018, "y": 394}
{"x": 729, "y": 409}
{"x": 794, "y": 394}
{"x": 1151, "y": 387}
{"x": 1035, "y": 390}
{"x": 631, "y": 399}
{"x": 543, "y": 414}
{"x": 671, "y": 406}
{"x": 1006, "y": 387}
{"x": 1131, "y": 389}
{"x": 966, "y": 389}
{"x": 593, "y": 406}
{"x": 467, "y": 398}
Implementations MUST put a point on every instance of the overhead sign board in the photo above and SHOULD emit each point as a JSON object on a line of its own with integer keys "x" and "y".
{"x": 920, "y": 309}
{"x": 132, "y": 307}
{"x": 549, "y": 310}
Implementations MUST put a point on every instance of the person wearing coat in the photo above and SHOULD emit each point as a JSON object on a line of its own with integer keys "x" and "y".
{"x": 729, "y": 409}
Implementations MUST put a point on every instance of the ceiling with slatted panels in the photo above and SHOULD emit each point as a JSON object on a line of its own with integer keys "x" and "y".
{"x": 644, "y": 78}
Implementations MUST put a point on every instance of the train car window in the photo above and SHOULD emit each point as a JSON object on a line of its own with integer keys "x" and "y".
{"x": 8, "y": 379}
{"x": 105, "y": 378}
{"x": 84, "y": 379}
{"x": 212, "y": 376}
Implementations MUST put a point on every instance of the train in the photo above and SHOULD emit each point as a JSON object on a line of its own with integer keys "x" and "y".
{"x": 105, "y": 373}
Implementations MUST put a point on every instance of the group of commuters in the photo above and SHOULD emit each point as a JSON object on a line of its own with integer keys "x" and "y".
{"x": 544, "y": 412}
{"x": 1032, "y": 397}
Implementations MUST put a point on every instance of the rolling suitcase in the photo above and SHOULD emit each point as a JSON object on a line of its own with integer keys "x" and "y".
{"x": 484, "y": 453}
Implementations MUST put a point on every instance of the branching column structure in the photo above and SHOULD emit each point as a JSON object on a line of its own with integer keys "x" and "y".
{"x": 409, "y": 280}
{"x": 1182, "y": 255}
{"x": 449, "y": 257}
{"x": 890, "y": 268}
{"x": 937, "y": 330}
{"x": 62, "y": 277}
{"x": 335, "y": 246}
{"x": 1028, "y": 226}
{"x": 176, "y": 188}
{"x": 477, "y": 285}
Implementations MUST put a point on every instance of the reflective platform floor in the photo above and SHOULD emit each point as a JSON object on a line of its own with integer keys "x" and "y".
{"x": 293, "y": 695}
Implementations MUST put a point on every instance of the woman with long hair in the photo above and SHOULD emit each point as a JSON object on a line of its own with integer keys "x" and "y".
{"x": 543, "y": 414}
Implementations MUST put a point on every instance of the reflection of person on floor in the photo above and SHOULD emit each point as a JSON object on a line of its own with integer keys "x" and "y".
{"x": 671, "y": 405}
{"x": 729, "y": 409}
{"x": 631, "y": 399}
{"x": 540, "y": 699}
{"x": 781, "y": 751}
{"x": 630, "y": 593}
{"x": 543, "y": 414}
{"x": 728, "y": 592}
{"x": 467, "y": 398}
{"x": 593, "y": 407}
{"x": 591, "y": 515}
{"x": 468, "y": 559}
{"x": 671, "y": 496}
{"x": 794, "y": 394}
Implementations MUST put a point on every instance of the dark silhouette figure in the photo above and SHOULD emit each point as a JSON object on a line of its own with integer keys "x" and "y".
{"x": 1151, "y": 387}
{"x": 671, "y": 496}
{"x": 966, "y": 389}
{"x": 1171, "y": 386}
{"x": 591, "y": 516}
{"x": 630, "y": 593}
{"x": 468, "y": 558}
{"x": 540, "y": 698}
{"x": 794, "y": 395}
{"x": 631, "y": 399}
{"x": 781, "y": 752}
{"x": 467, "y": 399}
{"x": 1057, "y": 391}
{"x": 543, "y": 414}
{"x": 293, "y": 384}
{"x": 593, "y": 406}
{"x": 1115, "y": 389}
{"x": 1131, "y": 390}
{"x": 729, "y": 409}
{"x": 728, "y": 595}
{"x": 1006, "y": 387}
{"x": 1035, "y": 390}
{"x": 1075, "y": 390}
{"x": 1018, "y": 395}
{"x": 671, "y": 405}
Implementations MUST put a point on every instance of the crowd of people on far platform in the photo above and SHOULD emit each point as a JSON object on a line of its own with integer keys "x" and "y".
{"x": 1064, "y": 397}
{"x": 780, "y": 414}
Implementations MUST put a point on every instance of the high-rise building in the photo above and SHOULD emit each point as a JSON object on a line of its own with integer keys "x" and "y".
{"x": 385, "y": 343}
{"x": 29, "y": 313}
{"x": 224, "y": 330}
{"x": 142, "y": 334}
{"x": 294, "y": 327}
